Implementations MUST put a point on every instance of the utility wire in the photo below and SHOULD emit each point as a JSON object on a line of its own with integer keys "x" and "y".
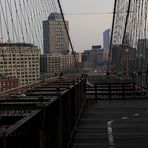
{"x": 96, "y": 13}
{"x": 85, "y": 13}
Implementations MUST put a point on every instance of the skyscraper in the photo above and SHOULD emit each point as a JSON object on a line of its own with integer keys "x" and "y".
{"x": 54, "y": 34}
{"x": 106, "y": 38}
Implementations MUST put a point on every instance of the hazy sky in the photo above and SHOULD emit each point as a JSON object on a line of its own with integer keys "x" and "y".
{"x": 86, "y": 30}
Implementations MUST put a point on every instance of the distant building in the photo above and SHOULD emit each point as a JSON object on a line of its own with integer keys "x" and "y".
{"x": 97, "y": 56}
{"x": 123, "y": 56}
{"x": 115, "y": 57}
{"x": 54, "y": 35}
{"x": 52, "y": 64}
{"x": 7, "y": 83}
{"x": 86, "y": 59}
{"x": 21, "y": 61}
{"x": 100, "y": 56}
{"x": 86, "y": 55}
{"x": 93, "y": 58}
{"x": 106, "y": 38}
{"x": 143, "y": 48}
{"x": 96, "y": 47}
{"x": 106, "y": 54}
{"x": 43, "y": 64}
{"x": 69, "y": 61}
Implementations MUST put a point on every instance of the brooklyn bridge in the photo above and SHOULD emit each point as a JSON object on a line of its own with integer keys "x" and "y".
{"x": 76, "y": 108}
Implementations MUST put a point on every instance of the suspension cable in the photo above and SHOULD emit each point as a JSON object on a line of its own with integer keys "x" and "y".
{"x": 73, "y": 52}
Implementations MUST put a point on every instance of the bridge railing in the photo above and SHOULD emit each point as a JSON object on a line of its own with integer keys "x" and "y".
{"x": 139, "y": 78}
{"x": 45, "y": 120}
{"x": 113, "y": 87}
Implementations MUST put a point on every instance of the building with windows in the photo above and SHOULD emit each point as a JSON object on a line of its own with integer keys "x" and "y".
{"x": 69, "y": 61}
{"x": 55, "y": 63}
{"x": 20, "y": 61}
{"x": 93, "y": 58}
{"x": 7, "y": 83}
{"x": 54, "y": 35}
{"x": 97, "y": 56}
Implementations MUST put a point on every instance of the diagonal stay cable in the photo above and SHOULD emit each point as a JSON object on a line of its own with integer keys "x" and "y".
{"x": 61, "y": 10}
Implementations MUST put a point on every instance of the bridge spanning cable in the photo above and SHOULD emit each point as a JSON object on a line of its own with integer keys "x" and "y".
{"x": 129, "y": 39}
{"x": 67, "y": 32}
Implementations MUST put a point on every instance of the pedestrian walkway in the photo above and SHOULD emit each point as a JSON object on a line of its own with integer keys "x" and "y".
{"x": 113, "y": 123}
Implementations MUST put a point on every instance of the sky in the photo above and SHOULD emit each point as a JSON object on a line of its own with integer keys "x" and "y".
{"x": 87, "y": 30}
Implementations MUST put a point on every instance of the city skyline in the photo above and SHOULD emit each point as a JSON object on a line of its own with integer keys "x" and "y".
{"x": 87, "y": 21}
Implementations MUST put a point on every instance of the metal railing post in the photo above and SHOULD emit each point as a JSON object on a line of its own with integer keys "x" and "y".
{"x": 96, "y": 91}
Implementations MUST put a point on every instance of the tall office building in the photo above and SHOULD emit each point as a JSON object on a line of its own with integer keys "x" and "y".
{"x": 106, "y": 38}
{"x": 54, "y": 35}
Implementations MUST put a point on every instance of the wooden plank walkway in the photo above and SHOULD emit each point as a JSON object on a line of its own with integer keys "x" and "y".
{"x": 113, "y": 124}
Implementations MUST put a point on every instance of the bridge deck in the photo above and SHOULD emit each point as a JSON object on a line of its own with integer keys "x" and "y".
{"x": 113, "y": 123}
